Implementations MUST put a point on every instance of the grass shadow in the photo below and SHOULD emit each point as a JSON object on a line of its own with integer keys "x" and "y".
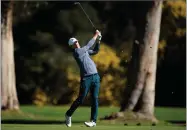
{"x": 22, "y": 121}
{"x": 177, "y": 122}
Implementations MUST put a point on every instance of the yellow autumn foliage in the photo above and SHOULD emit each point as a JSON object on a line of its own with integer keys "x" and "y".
{"x": 161, "y": 48}
{"x": 178, "y": 10}
{"x": 39, "y": 97}
{"x": 174, "y": 16}
{"x": 106, "y": 57}
{"x": 178, "y": 7}
{"x": 162, "y": 45}
{"x": 180, "y": 32}
{"x": 73, "y": 83}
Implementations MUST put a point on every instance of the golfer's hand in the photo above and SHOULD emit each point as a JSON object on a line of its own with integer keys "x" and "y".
{"x": 99, "y": 36}
{"x": 97, "y": 32}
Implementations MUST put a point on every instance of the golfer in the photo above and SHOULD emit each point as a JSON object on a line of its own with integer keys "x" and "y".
{"x": 90, "y": 79}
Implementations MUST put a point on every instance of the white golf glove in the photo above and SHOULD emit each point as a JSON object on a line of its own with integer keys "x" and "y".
{"x": 99, "y": 37}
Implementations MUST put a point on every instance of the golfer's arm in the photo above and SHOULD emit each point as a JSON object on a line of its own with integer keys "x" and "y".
{"x": 90, "y": 43}
{"x": 95, "y": 50}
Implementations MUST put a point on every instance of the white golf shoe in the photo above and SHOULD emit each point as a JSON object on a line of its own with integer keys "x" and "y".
{"x": 90, "y": 124}
{"x": 68, "y": 121}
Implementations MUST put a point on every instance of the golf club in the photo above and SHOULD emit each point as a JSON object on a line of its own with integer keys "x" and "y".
{"x": 77, "y": 3}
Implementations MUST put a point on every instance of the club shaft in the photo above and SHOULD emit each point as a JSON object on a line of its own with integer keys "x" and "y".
{"x": 87, "y": 16}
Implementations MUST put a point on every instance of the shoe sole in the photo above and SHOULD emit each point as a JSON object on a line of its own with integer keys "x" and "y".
{"x": 67, "y": 125}
{"x": 89, "y": 126}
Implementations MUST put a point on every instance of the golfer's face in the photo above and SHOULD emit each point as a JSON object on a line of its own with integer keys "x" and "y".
{"x": 77, "y": 44}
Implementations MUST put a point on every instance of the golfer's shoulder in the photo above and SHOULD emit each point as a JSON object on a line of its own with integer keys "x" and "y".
{"x": 76, "y": 53}
{"x": 79, "y": 50}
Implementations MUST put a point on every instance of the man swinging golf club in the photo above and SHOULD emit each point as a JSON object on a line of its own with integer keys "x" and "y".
{"x": 90, "y": 79}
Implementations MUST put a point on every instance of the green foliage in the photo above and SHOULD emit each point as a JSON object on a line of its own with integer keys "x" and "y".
{"x": 74, "y": 21}
{"x": 24, "y": 10}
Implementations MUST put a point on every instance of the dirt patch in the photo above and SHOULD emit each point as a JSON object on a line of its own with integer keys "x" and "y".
{"x": 131, "y": 118}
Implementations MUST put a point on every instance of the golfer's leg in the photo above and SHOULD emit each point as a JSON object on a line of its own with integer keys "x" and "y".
{"x": 84, "y": 88}
{"x": 94, "y": 96}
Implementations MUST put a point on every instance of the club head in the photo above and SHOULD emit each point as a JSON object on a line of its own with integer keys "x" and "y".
{"x": 76, "y": 3}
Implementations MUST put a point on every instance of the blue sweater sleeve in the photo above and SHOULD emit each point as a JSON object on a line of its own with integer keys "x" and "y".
{"x": 86, "y": 48}
{"x": 89, "y": 45}
{"x": 95, "y": 50}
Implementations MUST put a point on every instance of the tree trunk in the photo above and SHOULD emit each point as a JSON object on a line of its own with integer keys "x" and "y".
{"x": 136, "y": 93}
{"x": 4, "y": 84}
{"x": 9, "y": 93}
{"x": 151, "y": 43}
{"x": 132, "y": 72}
{"x": 145, "y": 84}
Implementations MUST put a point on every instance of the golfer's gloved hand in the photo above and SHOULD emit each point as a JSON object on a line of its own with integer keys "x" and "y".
{"x": 99, "y": 35}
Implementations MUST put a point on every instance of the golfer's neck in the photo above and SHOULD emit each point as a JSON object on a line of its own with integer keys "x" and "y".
{"x": 78, "y": 46}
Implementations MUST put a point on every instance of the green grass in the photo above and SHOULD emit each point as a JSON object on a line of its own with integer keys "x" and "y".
{"x": 50, "y": 117}
{"x": 79, "y": 126}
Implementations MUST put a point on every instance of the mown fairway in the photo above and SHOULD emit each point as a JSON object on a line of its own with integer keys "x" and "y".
{"x": 51, "y": 118}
